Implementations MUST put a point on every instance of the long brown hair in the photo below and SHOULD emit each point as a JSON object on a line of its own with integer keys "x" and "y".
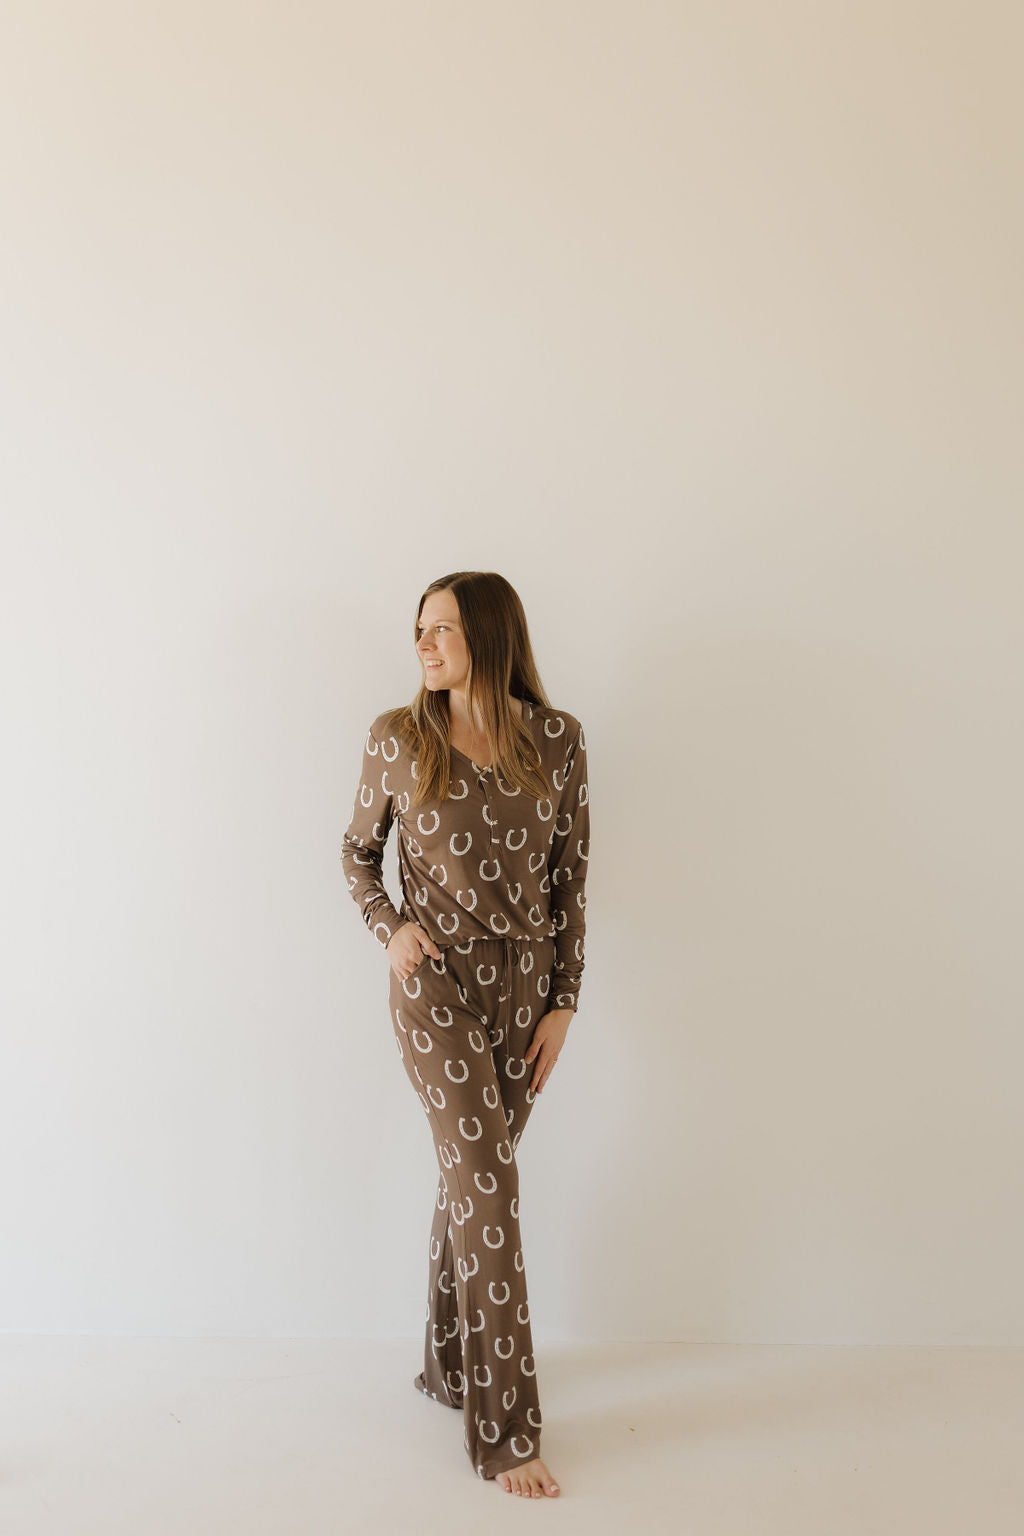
{"x": 500, "y": 663}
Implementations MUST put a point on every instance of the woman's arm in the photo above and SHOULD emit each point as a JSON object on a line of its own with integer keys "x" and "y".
{"x": 363, "y": 845}
{"x": 567, "y": 869}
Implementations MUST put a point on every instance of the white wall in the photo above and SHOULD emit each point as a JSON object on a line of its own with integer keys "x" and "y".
{"x": 700, "y": 322}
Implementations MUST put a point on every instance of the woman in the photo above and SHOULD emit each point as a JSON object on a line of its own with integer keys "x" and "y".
{"x": 488, "y": 784}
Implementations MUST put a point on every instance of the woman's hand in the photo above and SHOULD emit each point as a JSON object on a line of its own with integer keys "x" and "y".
{"x": 406, "y": 948}
{"x": 546, "y": 1045}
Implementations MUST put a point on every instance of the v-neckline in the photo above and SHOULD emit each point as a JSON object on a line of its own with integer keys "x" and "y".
{"x": 472, "y": 760}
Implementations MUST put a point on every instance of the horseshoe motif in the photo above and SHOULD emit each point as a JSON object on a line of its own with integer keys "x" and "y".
{"x": 463, "y": 1267}
{"x": 500, "y": 1300}
{"x": 497, "y": 869}
{"x": 469, "y": 906}
{"x": 476, "y": 1376}
{"x": 534, "y": 1423}
{"x": 479, "y": 1326}
{"x": 384, "y": 751}
{"x": 462, "y": 1121}
{"x": 523, "y": 1064}
{"x": 427, "y": 830}
{"x": 423, "y": 1049}
{"x": 444, "y": 926}
{"x": 512, "y": 1445}
{"x": 517, "y": 1260}
{"x": 519, "y": 1312}
{"x": 508, "y": 1353}
{"x": 520, "y": 1021}
{"x": 482, "y": 1188}
{"x": 465, "y": 1071}
{"x": 509, "y": 1397}
{"x": 522, "y": 1366}
{"x": 501, "y": 1237}
{"x": 491, "y": 1439}
{"x": 551, "y": 809}
{"x": 439, "y": 1102}
{"x": 499, "y": 924}
{"x": 459, "y": 852}
{"x": 478, "y": 1035}
{"x": 443, "y": 1023}
{"x": 502, "y": 1156}
{"x": 515, "y": 847}
{"x": 491, "y": 1088}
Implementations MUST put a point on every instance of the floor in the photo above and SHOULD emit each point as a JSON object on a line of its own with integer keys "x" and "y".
{"x": 299, "y": 1437}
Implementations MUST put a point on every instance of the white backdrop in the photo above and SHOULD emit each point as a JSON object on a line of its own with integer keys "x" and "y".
{"x": 701, "y": 323}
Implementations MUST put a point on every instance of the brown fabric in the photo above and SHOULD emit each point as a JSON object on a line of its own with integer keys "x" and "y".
{"x": 497, "y": 880}
{"x": 462, "y": 1024}
{"x": 489, "y": 861}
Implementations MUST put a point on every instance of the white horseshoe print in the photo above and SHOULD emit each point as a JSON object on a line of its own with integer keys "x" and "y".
{"x": 522, "y": 874}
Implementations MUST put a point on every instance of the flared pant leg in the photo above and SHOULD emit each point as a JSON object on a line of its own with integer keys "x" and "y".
{"x": 462, "y": 1024}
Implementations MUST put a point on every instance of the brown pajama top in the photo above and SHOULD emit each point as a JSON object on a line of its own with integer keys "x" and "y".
{"x": 489, "y": 861}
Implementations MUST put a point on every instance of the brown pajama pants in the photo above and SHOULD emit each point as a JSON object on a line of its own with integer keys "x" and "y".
{"x": 462, "y": 1024}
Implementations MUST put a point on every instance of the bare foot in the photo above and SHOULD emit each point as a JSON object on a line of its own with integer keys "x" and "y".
{"x": 532, "y": 1480}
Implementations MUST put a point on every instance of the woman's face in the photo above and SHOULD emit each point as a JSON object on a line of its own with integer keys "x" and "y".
{"x": 440, "y": 642}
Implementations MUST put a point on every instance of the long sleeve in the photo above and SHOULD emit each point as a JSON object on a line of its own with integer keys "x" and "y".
{"x": 567, "y": 868}
{"x": 363, "y": 845}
